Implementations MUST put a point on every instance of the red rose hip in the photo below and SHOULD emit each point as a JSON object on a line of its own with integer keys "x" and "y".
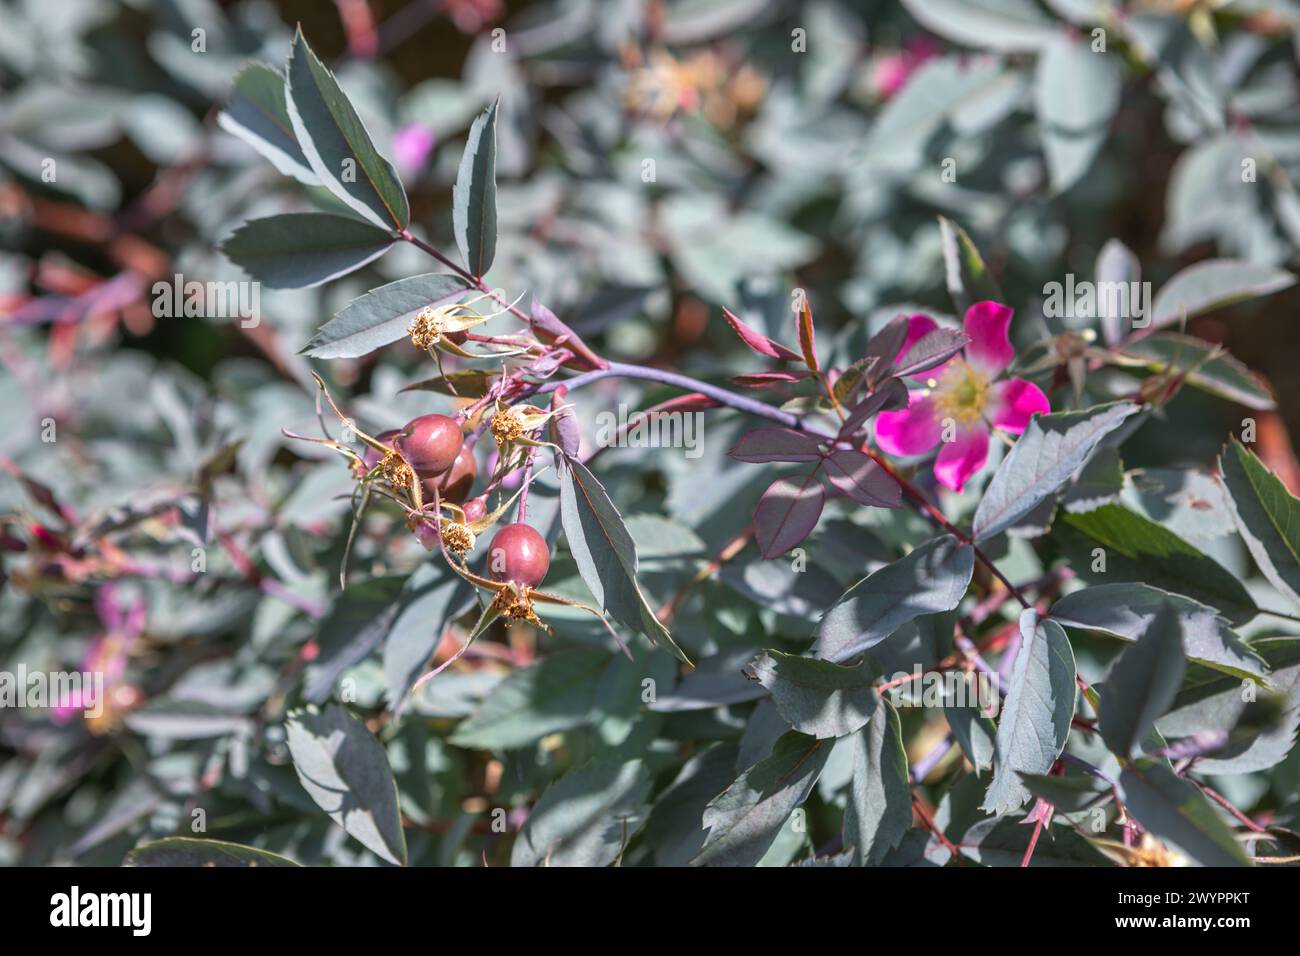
{"x": 475, "y": 508}
{"x": 455, "y": 483}
{"x": 519, "y": 554}
{"x": 430, "y": 444}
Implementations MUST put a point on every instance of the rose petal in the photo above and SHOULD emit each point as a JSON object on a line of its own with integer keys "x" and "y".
{"x": 911, "y": 431}
{"x": 990, "y": 348}
{"x": 1015, "y": 401}
{"x": 962, "y": 457}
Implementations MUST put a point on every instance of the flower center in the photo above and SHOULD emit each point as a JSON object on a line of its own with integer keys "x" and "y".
{"x": 960, "y": 393}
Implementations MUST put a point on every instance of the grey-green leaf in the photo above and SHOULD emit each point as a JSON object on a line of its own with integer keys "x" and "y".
{"x": 1179, "y": 814}
{"x": 432, "y": 598}
{"x": 1212, "y": 284}
{"x": 1126, "y": 611}
{"x": 555, "y": 693}
{"x": 1036, "y": 714}
{"x": 1142, "y": 683}
{"x": 259, "y": 115}
{"x": 337, "y": 145}
{"x": 474, "y": 197}
{"x": 586, "y": 817}
{"x": 1076, "y": 94}
{"x": 879, "y": 808}
{"x": 381, "y": 315}
{"x": 1002, "y": 25}
{"x": 605, "y": 553}
{"x": 345, "y": 771}
{"x": 1004, "y": 841}
{"x": 930, "y": 579}
{"x": 744, "y": 820}
{"x": 303, "y": 249}
{"x": 186, "y": 851}
{"x": 817, "y": 697}
{"x": 1267, "y": 515}
{"x": 1051, "y": 449}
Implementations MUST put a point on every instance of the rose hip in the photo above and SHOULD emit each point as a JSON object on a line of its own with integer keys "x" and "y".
{"x": 430, "y": 444}
{"x": 519, "y": 554}
{"x": 475, "y": 508}
{"x": 370, "y": 456}
{"x": 455, "y": 483}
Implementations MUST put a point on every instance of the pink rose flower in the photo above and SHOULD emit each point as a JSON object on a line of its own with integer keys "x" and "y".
{"x": 969, "y": 391}
{"x": 411, "y": 147}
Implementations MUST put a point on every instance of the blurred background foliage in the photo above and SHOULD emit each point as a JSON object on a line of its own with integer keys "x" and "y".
{"x": 656, "y": 161}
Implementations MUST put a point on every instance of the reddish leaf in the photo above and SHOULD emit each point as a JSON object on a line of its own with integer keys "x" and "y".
{"x": 890, "y": 396}
{"x": 767, "y": 444}
{"x": 550, "y": 329}
{"x": 787, "y": 513}
{"x": 564, "y": 426}
{"x": 857, "y": 476}
{"x": 807, "y": 336}
{"x": 690, "y": 402}
{"x": 757, "y": 341}
{"x": 768, "y": 379}
{"x": 885, "y": 346}
{"x": 933, "y": 348}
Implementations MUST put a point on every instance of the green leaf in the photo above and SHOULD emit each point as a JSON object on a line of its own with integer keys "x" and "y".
{"x": 1267, "y": 515}
{"x": 259, "y": 115}
{"x": 1126, "y": 611}
{"x": 303, "y": 249}
{"x": 463, "y": 383}
{"x": 1036, "y": 714}
{"x": 345, "y": 771}
{"x": 432, "y": 597}
{"x": 1138, "y": 549}
{"x": 1068, "y": 794}
{"x": 1142, "y": 683}
{"x": 1000, "y": 841}
{"x": 381, "y": 315}
{"x": 1213, "y": 284}
{"x": 1260, "y": 727}
{"x": 355, "y": 624}
{"x": 744, "y": 820}
{"x": 555, "y": 693}
{"x": 1179, "y": 814}
{"x": 969, "y": 280}
{"x": 171, "y": 719}
{"x": 1222, "y": 375}
{"x": 1051, "y": 449}
{"x": 605, "y": 553}
{"x": 973, "y": 729}
{"x": 474, "y": 197}
{"x": 336, "y": 143}
{"x": 930, "y": 579}
{"x": 1076, "y": 94}
{"x": 879, "y": 807}
{"x": 817, "y": 697}
{"x": 185, "y": 851}
{"x": 586, "y": 817}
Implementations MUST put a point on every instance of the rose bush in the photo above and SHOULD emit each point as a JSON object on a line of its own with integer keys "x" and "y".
{"x": 659, "y": 472}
